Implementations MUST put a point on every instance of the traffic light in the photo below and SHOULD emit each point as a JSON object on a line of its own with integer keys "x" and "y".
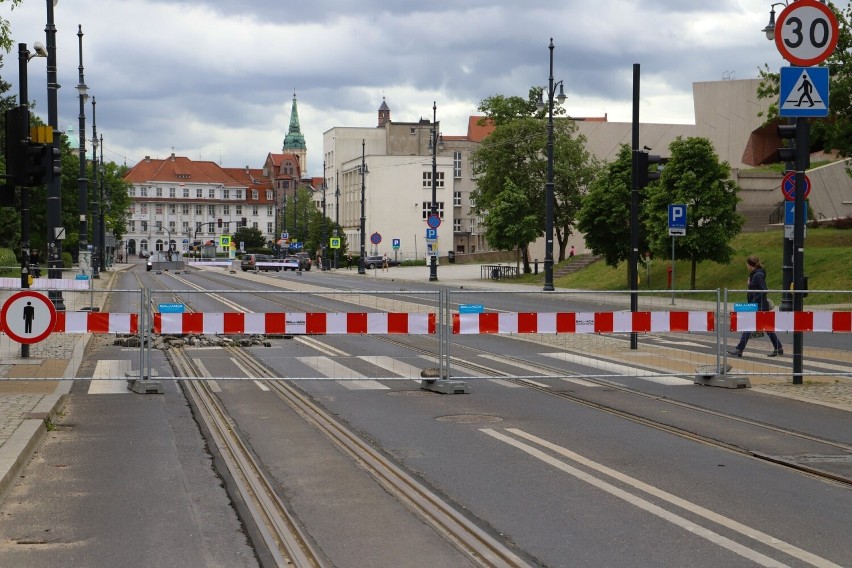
{"x": 793, "y": 134}
{"x": 34, "y": 171}
{"x": 12, "y": 152}
{"x": 646, "y": 175}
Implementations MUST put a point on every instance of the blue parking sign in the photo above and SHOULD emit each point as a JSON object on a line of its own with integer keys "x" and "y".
{"x": 677, "y": 220}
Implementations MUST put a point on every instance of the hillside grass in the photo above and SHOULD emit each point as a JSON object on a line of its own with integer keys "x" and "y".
{"x": 828, "y": 265}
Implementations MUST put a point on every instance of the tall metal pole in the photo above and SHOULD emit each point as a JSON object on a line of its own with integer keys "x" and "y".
{"x": 633, "y": 258}
{"x": 324, "y": 226}
{"x": 82, "y": 181}
{"x": 433, "y": 265}
{"x": 54, "y": 186}
{"x": 24, "y": 115}
{"x": 96, "y": 205}
{"x": 101, "y": 225}
{"x": 802, "y": 153}
{"x": 363, "y": 211}
{"x": 548, "y": 188}
{"x": 336, "y": 211}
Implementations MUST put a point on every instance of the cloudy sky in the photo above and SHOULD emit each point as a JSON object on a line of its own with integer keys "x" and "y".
{"x": 214, "y": 79}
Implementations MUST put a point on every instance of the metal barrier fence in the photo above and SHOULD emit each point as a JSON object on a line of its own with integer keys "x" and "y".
{"x": 568, "y": 334}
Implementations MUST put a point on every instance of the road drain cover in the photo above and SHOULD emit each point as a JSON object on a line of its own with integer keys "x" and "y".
{"x": 470, "y": 419}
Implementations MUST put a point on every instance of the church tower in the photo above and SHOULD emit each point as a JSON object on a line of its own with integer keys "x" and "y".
{"x": 384, "y": 113}
{"x": 294, "y": 142}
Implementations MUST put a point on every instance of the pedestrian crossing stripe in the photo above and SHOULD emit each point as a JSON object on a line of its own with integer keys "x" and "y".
{"x": 804, "y": 91}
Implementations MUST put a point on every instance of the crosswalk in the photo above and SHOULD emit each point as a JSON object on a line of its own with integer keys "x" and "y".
{"x": 349, "y": 372}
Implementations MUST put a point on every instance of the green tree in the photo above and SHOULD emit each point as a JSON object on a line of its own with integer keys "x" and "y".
{"x": 516, "y": 152}
{"x": 604, "y": 217}
{"x": 5, "y": 29}
{"x": 694, "y": 176}
{"x": 251, "y": 237}
{"x": 833, "y": 133}
{"x": 510, "y": 220}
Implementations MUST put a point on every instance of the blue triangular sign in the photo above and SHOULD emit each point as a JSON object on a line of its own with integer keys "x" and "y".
{"x": 804, "y": 92}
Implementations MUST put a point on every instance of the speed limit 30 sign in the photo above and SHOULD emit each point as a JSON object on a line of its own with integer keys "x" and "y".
{"x": 806, "y": 33}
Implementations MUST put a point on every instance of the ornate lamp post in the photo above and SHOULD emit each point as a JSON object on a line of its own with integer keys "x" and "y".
{"x": 336, "y": 212}
{"x": 55, "y": 231}
{"x": 548, "y": 188}
{"x": 97, "y": 245}
{"x": 363, "y": 171}
{"x": 82, "y": 181}
{"x": 324, "y": 225}
{"x": 433, "y": 208}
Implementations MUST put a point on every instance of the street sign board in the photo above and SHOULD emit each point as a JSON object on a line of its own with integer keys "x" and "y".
{"x": 375, "y": 238}
{"x": 285, "y": 235}
{"x": 434, "y": 221}
{"x": 803, "y": 92}
{"x": 334, "y": 242}
{"x": 806, "y": 33}
{"x": 28, "y": 317}
{"x": 790, "y": 219}
{"x": 471, "y": 308}
{"x": 677, "y": 220}
{"x": 171, "y": 308}
{"x": 745, "y": 307}
{"x": 788, "y": 186}
{"x": 431, "y": 234}
{"x": 225, "y": 241}
{"x": 395, "y": 244}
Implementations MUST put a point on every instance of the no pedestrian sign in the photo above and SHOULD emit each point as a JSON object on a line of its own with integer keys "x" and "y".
{"x": 28, "y": 317}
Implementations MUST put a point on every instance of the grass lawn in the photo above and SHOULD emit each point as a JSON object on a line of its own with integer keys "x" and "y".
{"x": 828, "y": 265}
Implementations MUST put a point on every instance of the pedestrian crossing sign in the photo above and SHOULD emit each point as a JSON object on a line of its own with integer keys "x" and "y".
{"x": 804, "y": 92}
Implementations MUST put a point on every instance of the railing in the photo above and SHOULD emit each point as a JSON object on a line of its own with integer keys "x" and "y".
{"x": 497, "y": 271}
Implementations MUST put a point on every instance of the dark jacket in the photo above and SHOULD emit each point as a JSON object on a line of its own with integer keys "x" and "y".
{"x": 756, "y": 289}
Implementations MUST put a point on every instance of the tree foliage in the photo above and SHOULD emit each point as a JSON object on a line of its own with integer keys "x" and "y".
{"x": 833, "y": 133}
{"x": 516, "y": 153}
{"x": 604, "y": 216}
{"x": 510, "y": 220}
{"x": 694, "y": 176}
{"x": 250, "y": 237}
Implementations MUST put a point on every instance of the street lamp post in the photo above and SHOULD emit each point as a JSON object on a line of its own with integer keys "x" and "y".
{"x": 103, "y": 204}
{"x": 82, "y": 182}
{"x": 336, "y": 212}
{"x": 96, "y": 205}
{"x": 433, "y": 208}
{"x": 55, "y": 234}
{"x": 363, "y": 171}
{"x": 548, "y": 188}
{"x": 324, "y": 226}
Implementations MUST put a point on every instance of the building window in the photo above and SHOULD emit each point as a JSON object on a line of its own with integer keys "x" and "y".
{"x": 457, "y": 199}
{"x": 186, "y": 192}
{"x": 254, "y": 212}
{"x": 184, "y": 209}
{"x": 427, "y": 209}
{"x": 457, "y": 227}
{"x": 473, "y": 226}
{"x": 226, "y": 194}
{"x": 159, "y": 208}
{"x": 131, "y": 192}
{"x": 457, "y": 165}
{"x": 238, "y": 209}
{"x": 254, "y": 225}
{"x": 131, "y": 225}
{"x": 254, "y": 194}
{"x": 143, "y": 191}
{"x": 269, "y": 211}
{"x": 427, "y": 180}
{"x": 269, "y": 195}
{"x": 159, "y": 192}
{"x": 171, "y": 192}
{"x": 211, "y": 210}
{"x": 199, "y": 193}
{"x": 412, "y": 131}
{"x": 269, "y": 227}
{"x": 198, "y": 211}
{"x": 185, "y": 226}
{"x": 143, "y": 208}
{"x": 226, "y": 210}
{"x": 159, "y": 226}
{"x": 172, "y": 226}
{"x": 473, "y": 165}
{"x": 144, "y": 226}
{"x": 238, "y": 193}
{"x": 172, "y": 208}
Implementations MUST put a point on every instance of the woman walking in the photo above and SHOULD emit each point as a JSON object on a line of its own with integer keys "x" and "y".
{"x": 757, "y": 294}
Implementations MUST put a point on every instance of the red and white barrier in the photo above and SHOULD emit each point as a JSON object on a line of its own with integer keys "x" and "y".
{"x": 583, "y": 322}
{"x": 833, "y": 322}
{"x": 96, "y": 322}
{"x": 234, "y": 323}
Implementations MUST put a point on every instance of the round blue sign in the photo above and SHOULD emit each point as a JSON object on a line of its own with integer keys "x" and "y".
{"x": 375, "y": 238}
{"x": 434, "y": 221}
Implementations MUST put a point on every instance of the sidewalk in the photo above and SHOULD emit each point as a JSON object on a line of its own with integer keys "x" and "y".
{"x": 26, "y": 407}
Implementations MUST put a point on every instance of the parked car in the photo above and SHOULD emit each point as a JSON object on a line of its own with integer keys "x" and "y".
{"x": 306, "y": 260}
{"x": 375, "y": 261}
{"x": 259, "y": 262}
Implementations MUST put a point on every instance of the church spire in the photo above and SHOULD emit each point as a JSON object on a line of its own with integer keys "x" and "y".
{"x": 294, "y": 139}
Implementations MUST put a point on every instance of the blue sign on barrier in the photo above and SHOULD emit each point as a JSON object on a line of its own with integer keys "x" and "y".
{"x": 745, "y": 307}
{"x": 171, "y": 308}
{"x": 81, "y": 277}
{"x": 471, "y": 308}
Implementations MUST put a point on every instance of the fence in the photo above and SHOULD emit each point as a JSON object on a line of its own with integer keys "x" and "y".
{"x": 463, "y": 334}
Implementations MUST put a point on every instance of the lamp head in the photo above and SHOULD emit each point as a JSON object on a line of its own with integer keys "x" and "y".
{"x": 83, "y": 91}
{"x": 561, "y": 96}
{"x": 540, "y": 104}
{"x": 769, "y": 30}
{"x": 40, "y": 51}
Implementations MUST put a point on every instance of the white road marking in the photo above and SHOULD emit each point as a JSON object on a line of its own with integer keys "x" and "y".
{"x": 214, "y": 386}
{"x": 693, "y": 508}
{"x": 117, "y": 370}
{"x": 505, "y": 383}
{"x": 328, "y": 367}
{"x": 536, "y": 384}
{"x": 621, "y": 370}
{"x": 260, "y": 385}
{"x": 406, "y": 370}
{"x": 583, "y": 383}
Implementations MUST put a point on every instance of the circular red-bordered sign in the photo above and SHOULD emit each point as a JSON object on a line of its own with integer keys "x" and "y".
{"x": 788, "y": 186}
{"x": 806, "y": 33}
{"x": 28, "y": 317}
{"x": 375, "y": 238}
